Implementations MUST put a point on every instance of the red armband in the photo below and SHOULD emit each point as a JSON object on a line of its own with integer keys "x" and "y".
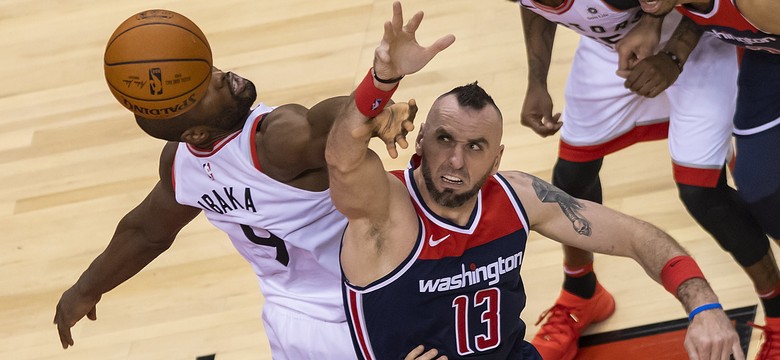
{"x": 370, "y": 100}
{"x": 678, "y": 270}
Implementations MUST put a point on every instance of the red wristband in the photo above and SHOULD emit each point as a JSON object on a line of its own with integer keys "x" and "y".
{"x": 370, "y": 100}
{"x": 677, "y": 271}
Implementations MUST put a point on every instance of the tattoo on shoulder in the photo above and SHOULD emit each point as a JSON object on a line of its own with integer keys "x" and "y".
{"x": 570, "y": 205}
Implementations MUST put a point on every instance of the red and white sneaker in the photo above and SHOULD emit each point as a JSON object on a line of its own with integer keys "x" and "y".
{"x": 567, "y": 319}
{"x": 770, "y": 349}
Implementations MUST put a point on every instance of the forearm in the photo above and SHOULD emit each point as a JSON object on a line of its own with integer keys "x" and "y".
{"x": 539, "y": 36}
{"x": 684, "y": 39}
{"x": 655, "y": 253}
{"x": 357, "y": 175}
{"x": 343, "y": 151}
{"x": 125, "y": 256}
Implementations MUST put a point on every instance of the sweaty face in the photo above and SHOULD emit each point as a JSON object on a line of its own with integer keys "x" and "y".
{"x": 460, "y": 149}
{"x": 658, "y": 7}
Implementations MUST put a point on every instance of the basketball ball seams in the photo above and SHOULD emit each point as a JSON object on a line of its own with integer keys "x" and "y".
{"x": 117, "y": 36}
{"x": 156, "y": 61}
{"x": 158, "y": 67}
{"x": 120, "y": 91}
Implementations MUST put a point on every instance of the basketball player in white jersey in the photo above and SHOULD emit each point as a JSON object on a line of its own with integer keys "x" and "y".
{"x": 259, "y": 175}
{"x": 602, "y": 116}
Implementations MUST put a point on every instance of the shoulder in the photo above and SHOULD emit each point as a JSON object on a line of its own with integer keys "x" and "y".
{"x": 282, "y": 127}
{"x": 761, "y": 13}
{"x": 166, "y": 164}
{"x": 518, "y": 179}
{"x": 539, "y": 197}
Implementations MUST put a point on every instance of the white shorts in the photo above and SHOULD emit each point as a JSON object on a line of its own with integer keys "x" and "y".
{"x": 601, "y": 116}
{"x": 295, "y": 336}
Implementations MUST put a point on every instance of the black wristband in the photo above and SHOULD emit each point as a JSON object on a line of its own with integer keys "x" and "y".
{"x": 675, "y": 59}
{"x": 383, "y": 81}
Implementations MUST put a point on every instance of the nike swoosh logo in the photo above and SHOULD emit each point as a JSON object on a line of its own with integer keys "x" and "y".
{"x": 433, "y": 243}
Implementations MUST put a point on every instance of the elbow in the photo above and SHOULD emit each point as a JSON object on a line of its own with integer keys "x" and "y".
{"x": 147, "y": 239}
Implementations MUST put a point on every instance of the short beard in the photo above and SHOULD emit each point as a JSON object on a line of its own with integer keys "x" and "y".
{"x": 448, "y": 198}
{"x": 237, "y": 115}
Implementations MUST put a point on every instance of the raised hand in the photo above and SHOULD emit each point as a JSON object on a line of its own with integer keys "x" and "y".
{"x": 399, "y": 54}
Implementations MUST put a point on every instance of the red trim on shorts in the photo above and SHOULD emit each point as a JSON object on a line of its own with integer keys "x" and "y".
{"x": 573, "y": 153}
{"x": 696, "y": 177}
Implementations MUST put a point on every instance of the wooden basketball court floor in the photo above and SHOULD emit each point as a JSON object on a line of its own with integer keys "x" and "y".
{"x": 73, "y": 162}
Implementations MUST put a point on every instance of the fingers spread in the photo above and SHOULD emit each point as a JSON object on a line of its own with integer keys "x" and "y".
{"x": 414, "y": 22}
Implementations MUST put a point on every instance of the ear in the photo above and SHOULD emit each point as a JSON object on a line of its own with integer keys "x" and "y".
{"x": 497, "y": 161}
{"x": 418, "y": 141}
{"x": 198, "y": 135}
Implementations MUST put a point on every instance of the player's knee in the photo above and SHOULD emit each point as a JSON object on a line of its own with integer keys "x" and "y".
{"x": 579, "y": 179}
{"x": 724, "y": 216}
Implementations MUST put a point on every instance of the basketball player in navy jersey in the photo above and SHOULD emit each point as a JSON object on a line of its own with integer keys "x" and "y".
{"x": 753, "y": 26}
{"x": 258, "y": 174}
{"x": 693, "y": 108}
{"x": 434, "y": 252}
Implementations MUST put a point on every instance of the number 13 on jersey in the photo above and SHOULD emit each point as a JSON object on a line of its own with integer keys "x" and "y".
{"x": 485, "y": 337}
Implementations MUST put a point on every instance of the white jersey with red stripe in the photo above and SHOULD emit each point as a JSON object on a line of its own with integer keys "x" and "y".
{"x": 601, "y": 116}
{"x": 605, "y": 21}
{"x": 290, "y": 236}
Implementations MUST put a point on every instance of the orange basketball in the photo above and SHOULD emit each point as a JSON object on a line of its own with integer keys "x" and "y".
{"x": 158, "y": 64}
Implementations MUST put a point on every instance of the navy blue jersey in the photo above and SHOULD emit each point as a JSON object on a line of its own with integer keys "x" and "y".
{"x": 725, "y": 21}
{"x": 459, "y": 291}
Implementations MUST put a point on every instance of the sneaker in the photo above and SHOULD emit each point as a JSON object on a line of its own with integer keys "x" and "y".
{"x": 770, "y": 349}
{"x": 567, "y": 319}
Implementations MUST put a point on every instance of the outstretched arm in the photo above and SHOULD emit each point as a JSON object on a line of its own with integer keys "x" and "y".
{"x": 710, "y": 334}
{"x": 143, "y": 234}
{"x": 359, "y": 184}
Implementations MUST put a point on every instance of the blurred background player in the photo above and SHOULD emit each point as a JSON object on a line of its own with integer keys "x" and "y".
{"x": 692, "y": 107}
{"x": 752, "y": 26}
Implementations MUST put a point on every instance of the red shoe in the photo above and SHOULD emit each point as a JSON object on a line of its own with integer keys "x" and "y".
{"x": 770, "y": 349}
{"x": 571, "y": 314}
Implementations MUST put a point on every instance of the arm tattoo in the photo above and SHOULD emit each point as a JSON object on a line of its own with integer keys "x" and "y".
{"x": 569, "y": 205}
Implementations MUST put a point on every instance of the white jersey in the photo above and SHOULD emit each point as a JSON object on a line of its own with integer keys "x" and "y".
{"x": 601, "y": 116}
{"x": 291, "y": 237}
{"x": 606, "y": 21}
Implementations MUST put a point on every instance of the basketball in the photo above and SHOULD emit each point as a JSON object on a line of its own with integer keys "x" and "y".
{"x": 158, "y": 64}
